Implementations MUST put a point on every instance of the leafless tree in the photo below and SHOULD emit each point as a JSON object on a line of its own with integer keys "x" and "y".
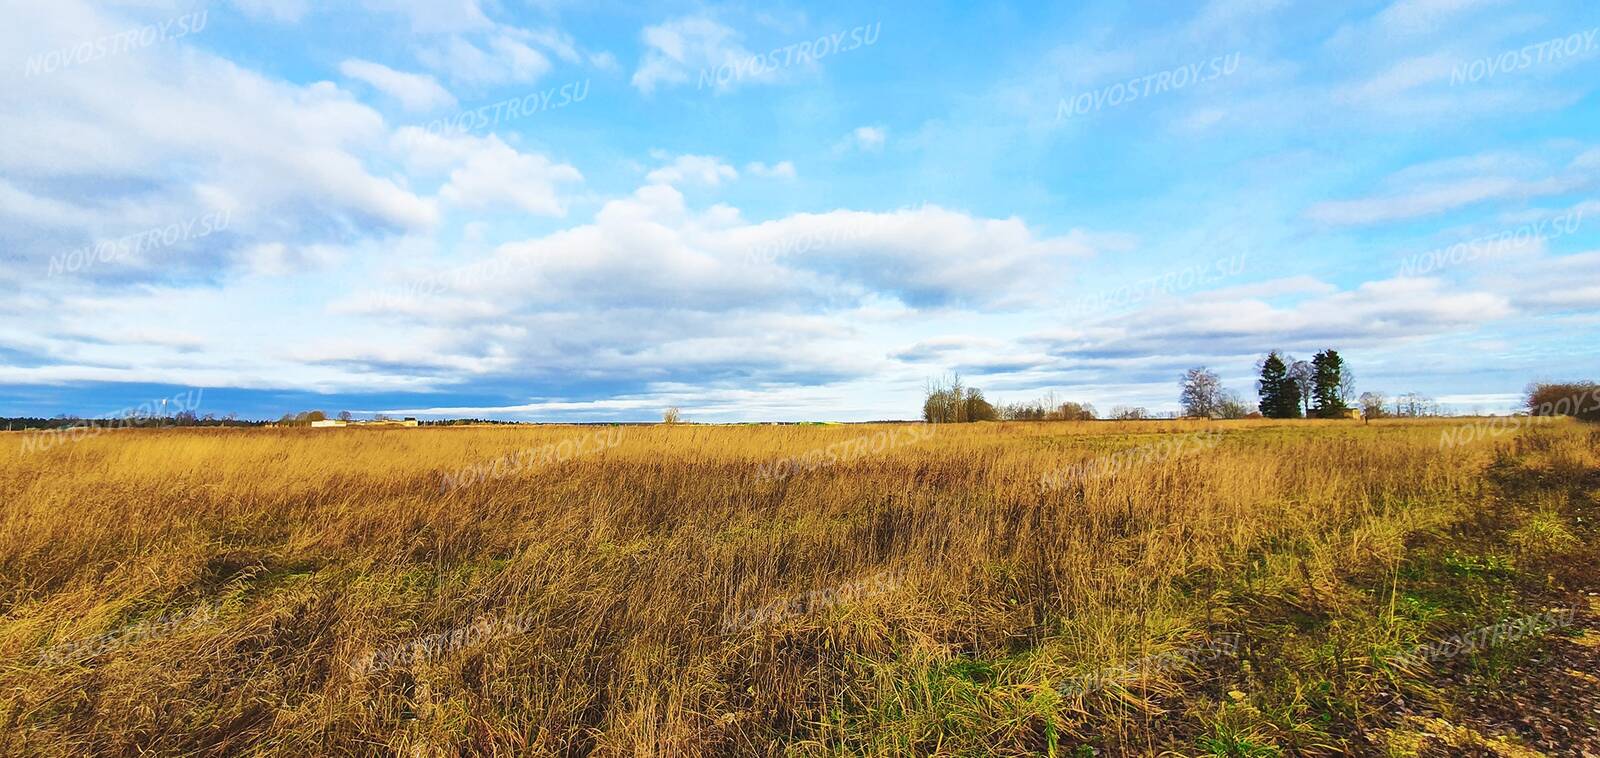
{"x": 1201, "y": 392}
{"x": 1372, "y": 405}
{"x": 1232, "y": 406}
{"x": 1304, "y": 376}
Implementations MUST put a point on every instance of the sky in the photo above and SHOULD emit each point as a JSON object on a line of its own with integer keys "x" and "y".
{"x": 545, "y": 210}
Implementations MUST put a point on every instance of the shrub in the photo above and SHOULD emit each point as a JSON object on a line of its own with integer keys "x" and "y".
{"x": 1578, "y": 399}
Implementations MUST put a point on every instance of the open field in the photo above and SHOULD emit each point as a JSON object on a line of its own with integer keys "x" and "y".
{"x": 1229, "y": 588}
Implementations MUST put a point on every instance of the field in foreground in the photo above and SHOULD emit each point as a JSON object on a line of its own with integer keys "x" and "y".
{"x": 1234, "y": 588}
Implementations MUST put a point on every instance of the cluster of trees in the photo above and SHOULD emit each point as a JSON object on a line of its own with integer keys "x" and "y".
{"x": 948, "y": 401}
{"x": 1048, "y": 408}
{"x": 1410, "y": 405}
{"x": 1322, "y": 388}
{"x": 1202, "y": 395}
{"x": 304, "y": 418}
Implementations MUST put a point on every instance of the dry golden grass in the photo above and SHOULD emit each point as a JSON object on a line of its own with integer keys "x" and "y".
{"x": 631, "y": 571}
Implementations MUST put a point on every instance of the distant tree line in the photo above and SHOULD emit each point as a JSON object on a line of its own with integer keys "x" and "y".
{"x": 1320, "y": 388}
{"x": 182, "y": 418}
{"x": 948, "y": 401}
{"x": 1047, "y": 408}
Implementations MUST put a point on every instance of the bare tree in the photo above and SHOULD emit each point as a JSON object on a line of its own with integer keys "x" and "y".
{"x": 671, "y": 415}
{"x": 1304, "y": 376}
{"x": 946, "y": 401}
{"x": 1232, "y": 406}
{"x": 1414, "y": 405}
{"x": 1202, "y": 392}
{"x": 1372, "y": 405}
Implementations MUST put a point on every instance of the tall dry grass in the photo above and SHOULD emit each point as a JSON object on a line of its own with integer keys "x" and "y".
{"x": 623, "y": 568}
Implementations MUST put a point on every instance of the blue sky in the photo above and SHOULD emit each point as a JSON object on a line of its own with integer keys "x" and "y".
{"x": 556, "y": 211}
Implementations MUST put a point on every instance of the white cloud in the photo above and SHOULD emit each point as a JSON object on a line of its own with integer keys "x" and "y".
{"x": 288, "y": 161}
{"x": 1403, "y": 22}
{"x": 276, "y": 259}
{"x": 695, "y": 169}
{"x": 506, "y": 60}
{"x": 1424, "y": 201}
{"x": 485, "y": 172}
{"x": 651, "y": 251}
{"x": 693, "y": 46}
{"x": 1408, "y": 17}
{"x": 1546, "y": 284}
{"x": 1397, "y": 80}
{"x": 436, "y": 16}
{"x": 1238, "y": 324}
{"x": 556, "y": 41}
{"x": 867, "y": 139}
{"x": 1219, "y": 15}
{"x": 779, "y": 170}
{"x": 416, "y": 92}
{"x": 285, "y": 11}
{"x": 1438, "y": 187}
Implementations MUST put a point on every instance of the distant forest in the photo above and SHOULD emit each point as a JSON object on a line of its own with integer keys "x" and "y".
{"x": 1323, "y": 387}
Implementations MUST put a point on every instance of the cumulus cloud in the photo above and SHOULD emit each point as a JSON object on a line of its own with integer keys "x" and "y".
{"x": 287, "y": 161}
{"x": 498, "y": 174}
{"x": 651, "y": 250}
{"x": 694, "y": 169}
{"x": 485, "y": 172}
